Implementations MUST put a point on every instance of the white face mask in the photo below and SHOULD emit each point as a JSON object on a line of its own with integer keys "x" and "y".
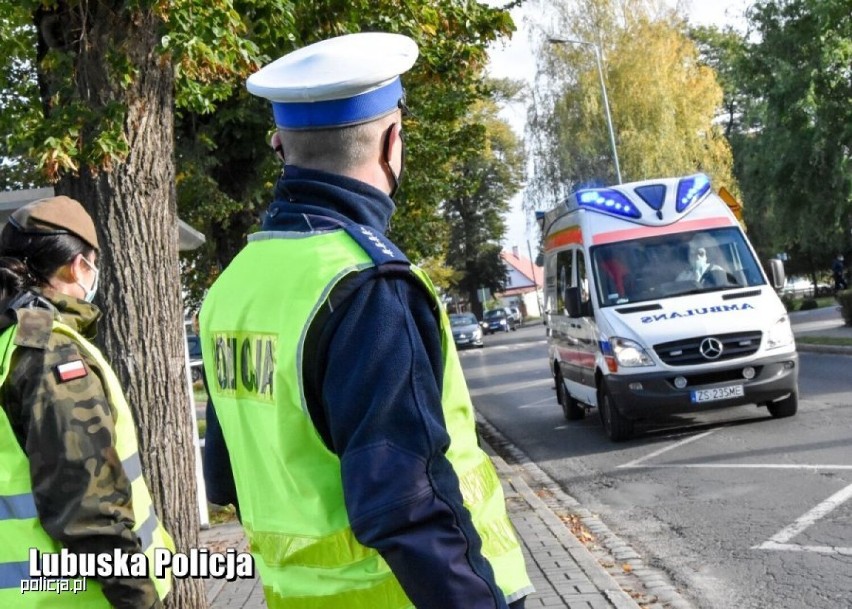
{"x": 699, "y": 263}
{"x": 90, "y": 292}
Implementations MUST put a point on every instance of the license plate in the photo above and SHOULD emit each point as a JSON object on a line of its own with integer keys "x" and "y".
{"x": 717, "y": 393}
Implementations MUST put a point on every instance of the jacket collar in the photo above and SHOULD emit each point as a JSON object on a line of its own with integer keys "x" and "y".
{"x": 310, "y": 191}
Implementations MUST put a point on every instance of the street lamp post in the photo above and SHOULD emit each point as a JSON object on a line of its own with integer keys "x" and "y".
{"x": 603, "y": 91}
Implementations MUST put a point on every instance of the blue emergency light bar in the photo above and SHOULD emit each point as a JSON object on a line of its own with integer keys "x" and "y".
{"x": 691, "y": 189}
{"x": 608, "y": 201}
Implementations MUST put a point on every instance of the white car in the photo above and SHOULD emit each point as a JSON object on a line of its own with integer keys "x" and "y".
{"x": 803, "y": 287}
{"x": 515, "y": 313}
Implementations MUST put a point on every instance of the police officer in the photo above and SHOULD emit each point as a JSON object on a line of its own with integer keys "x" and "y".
{"x": 70, "y": 475}
{"x": 333, "y": 371}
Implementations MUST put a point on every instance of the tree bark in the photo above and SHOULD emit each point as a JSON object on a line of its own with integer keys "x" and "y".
{"x": 134, "y": 207}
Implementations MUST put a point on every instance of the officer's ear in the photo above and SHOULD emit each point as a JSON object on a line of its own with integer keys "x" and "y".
{"x": 392, "y": 146}
{"x": 70, "y": 271}
{"x": 277, "y": 146}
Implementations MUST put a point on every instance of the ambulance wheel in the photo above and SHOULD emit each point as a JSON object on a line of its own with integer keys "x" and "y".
{"x": 784, "y": 408}
{"x": 618, "y": 427}
{"x": 571, "y": 408}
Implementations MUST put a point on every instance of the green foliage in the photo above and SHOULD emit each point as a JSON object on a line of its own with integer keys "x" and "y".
{"x": 487, "y": 173}
{"x": 226, "y": 171}
{"x": 845, "y": 300}
{"x": 792, "y": 143}
{"x": 443, "y": 276}
{"x": 790, "y": 302}
{"x": 808, "y": 304}
{"x": 663, "y": 103}
{"x": 204, "y": 39}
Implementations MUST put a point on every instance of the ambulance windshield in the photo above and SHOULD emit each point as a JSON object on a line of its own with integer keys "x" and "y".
{"x": 674, "y": 265}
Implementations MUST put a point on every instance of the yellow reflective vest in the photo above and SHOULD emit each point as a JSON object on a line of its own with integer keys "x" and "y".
{"x": 20, "y": 528}
{"x": 288, "y": 482}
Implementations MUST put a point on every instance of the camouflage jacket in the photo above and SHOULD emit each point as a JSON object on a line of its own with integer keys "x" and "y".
{"x": 67, "y": 430}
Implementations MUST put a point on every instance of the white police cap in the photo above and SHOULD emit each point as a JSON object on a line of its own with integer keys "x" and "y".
{"x": 341, "y": 81}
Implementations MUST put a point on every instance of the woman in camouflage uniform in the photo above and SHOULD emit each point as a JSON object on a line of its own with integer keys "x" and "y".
{"x": 58, "y": 402}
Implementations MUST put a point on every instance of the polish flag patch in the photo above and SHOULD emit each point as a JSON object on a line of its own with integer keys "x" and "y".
{"x": 71, "y": 370}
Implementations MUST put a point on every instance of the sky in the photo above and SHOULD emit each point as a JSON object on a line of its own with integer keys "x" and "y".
{"x": 515, "y": 60}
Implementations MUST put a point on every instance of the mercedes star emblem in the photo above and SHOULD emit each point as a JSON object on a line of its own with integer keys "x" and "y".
{"x": 711, "y": 348}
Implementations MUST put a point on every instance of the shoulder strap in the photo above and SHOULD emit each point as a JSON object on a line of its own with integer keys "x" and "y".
{"x": 380, "y": 249}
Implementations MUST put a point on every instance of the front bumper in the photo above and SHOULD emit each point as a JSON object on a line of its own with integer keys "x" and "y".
{"x": 640, "y": 395}
{"x": 467, "y": 340}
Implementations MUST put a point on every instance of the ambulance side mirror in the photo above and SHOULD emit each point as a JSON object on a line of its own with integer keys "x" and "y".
{"x": 573, "y": 304}
{"x": 776, "y": 267}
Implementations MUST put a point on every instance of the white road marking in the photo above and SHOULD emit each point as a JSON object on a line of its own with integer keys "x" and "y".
{"x": 539, "y": 404}
{"x": 780, "y": 539}
{"x": 740, "y": 466}
{"x": 791, "y": 547}
{"x": 509, "y": 387}
{"x": 657, "y": 453}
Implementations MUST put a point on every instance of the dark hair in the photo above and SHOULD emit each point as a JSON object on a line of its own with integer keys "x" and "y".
{"x": 29, "y": 260}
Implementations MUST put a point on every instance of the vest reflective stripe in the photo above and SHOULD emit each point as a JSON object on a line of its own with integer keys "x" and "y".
{"x": 11, "y": 574}
{"x": 20, "y": 528}
{"x": 132, "y": 467}
{"x": 17, "y": 506}
{"x": 280, "y": 549}
{"x": 294, "y": 514}
{"x": 479, "y": 483}
{"x": 386, "y": 594}
{"x": 148, "y": 527}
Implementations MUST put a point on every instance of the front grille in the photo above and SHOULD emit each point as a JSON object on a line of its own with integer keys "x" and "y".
{"x": 687, "y": 352}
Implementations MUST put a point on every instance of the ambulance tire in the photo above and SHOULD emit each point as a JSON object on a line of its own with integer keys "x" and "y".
{"x": 784, "y": 408}
{"x": 618, "y": 427}
{"x": 572, "y": 410}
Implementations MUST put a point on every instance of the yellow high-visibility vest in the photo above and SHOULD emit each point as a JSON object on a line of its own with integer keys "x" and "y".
{"x": 20, "y": 528}
{"x": 253, "y": 327}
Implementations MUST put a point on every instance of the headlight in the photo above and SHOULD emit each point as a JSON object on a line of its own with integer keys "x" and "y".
{"x": 502, "y": 322}
{"x": 780, "y": 335}
{"x": 629, "y": 353}
{"x": 477, "y": 333}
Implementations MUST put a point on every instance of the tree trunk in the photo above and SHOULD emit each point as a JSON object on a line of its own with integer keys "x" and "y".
{"x": 134, "y": 208}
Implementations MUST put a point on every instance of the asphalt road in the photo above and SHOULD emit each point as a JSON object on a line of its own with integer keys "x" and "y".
{"x": 741, "y": 510}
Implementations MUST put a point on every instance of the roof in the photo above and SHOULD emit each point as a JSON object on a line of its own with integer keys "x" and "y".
{"x": 533, "y": 274}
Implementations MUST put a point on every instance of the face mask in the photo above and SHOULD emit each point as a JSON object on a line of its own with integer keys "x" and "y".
{"x": 699, "y": 264}
{"x": 395, "y": 179}
{"x": 90, "y": 293}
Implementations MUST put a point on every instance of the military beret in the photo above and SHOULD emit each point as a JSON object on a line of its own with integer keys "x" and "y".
{"x": 56, "y": 216}
{"x": 341, "y": 81}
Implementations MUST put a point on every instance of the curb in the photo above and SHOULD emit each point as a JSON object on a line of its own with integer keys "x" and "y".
{"x": 602, "y": 580}
{"x": 832, "y": 349}
{"x": 653, "y": 583}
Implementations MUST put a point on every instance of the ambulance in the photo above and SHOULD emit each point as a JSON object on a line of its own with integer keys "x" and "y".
{"x": 656, "y": 304}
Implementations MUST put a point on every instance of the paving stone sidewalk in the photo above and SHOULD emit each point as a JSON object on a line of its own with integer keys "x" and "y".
{"x": 564, "y": 571}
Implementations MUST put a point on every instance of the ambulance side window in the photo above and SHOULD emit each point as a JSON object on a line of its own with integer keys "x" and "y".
{"x": 564, "y": 276}
{"x": 582, "y": 278}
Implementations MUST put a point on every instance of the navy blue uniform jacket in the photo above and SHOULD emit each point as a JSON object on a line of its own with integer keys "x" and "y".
{"x": 373, "y": 376}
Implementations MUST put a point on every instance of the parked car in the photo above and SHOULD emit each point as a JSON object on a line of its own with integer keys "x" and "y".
{"x": 803, "y": 287}
{"x": 193, "y": 343}
{"x": 515, "y": 313}
{"x": 466, "y": 330}
{"x": 498, "y": 320}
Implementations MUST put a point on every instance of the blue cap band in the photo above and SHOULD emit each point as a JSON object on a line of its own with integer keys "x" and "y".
{"x": 338, "y": 112}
